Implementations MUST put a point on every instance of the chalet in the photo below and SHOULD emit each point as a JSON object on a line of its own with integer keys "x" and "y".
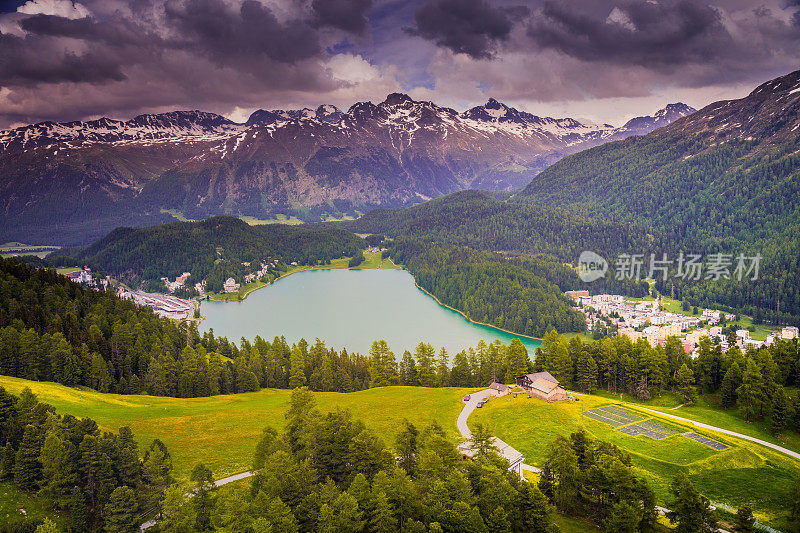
{"x": 498, "y": 389}
{"x": 542, "y": 385}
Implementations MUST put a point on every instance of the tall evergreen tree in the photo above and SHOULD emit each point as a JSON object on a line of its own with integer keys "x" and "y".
{"x": 27, "y": 466}
{"x": 121, "y": 511}
{"x": 690, "y": 510}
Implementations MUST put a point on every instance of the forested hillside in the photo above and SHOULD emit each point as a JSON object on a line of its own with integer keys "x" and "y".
{"x": 218, "y": 243}
{"x": 479, "y": 220}
{"x": 725, "y": 179}
{"x": 521, "y": 294}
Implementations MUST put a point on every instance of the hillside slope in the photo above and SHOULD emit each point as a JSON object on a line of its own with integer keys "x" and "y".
{"x": 725, "y": 179}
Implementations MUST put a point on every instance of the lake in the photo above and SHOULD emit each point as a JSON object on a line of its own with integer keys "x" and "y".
{"x": 349, "y": 309}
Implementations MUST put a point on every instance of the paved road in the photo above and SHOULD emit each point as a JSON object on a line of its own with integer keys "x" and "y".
{"x": 725, "y": 431}
{"x": 463, "y": 428}
{"x": 461, "y": 422}
{"x": 218, "y": 483}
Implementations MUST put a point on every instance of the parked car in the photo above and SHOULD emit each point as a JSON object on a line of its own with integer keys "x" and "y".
{"x": 480, "y": 404}
{"x": 467, "y": 397}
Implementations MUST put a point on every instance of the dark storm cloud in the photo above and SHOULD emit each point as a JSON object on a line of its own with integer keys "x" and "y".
{"x": 648, "y": 34}
{"x": 471, "y": 27}
{"x": 241, "y": 35}
{"x": 121, "y": 32}
{"x": 346, "y": 15}
{"x": 25, "y": 60}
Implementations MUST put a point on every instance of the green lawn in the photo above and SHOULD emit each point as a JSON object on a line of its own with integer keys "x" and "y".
{"x": 744, "y": 474}
{"x": 222, "y": 431}
{"x": 178, "y": 215}
{"x": 12, "y": 249}
{"x": 277, "y": 219}
{"x": 707, "y": 410}
{"x": 67, "y": 270}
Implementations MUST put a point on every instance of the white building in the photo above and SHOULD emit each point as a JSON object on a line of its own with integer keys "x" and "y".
{"x": 789, "y": 332}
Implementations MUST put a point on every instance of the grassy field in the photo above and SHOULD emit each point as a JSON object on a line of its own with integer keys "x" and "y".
{"x": 277, "y": 219}
{"x": 744, "y": 474}
{"x": 67, "y": 270}
{"x": 707, "y": 410}
{"x": 222, "y": 431}
{"x": 177, "y": 215}
{"x": 12, "y": 249}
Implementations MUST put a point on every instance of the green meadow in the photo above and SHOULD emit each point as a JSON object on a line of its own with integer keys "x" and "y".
{"x": 744, "y": 474}
{"x": 222, "y": 431}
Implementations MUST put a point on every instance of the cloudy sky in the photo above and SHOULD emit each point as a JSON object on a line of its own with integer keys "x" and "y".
{"x": 600, "y": 60}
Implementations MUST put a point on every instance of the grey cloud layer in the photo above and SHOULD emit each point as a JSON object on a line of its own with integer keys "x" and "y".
{"x": 126, "y": 57}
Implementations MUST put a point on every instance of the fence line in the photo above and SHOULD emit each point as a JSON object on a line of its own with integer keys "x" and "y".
{"x": 757, "y": 524}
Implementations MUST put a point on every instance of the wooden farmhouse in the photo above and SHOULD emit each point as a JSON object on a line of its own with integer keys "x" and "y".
{"x": 542, "y": 385}
{"x": 498, "y": 389}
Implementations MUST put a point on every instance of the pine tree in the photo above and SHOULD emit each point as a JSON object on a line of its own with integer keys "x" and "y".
{"x": 121, "y": 511}
{"x": 426, "y": 375}
{"x": 779, "y": 408}
{"x": 297, "y": 376}
{"x": 59, "y": 472}
{"x": 689, "y": 510}
{"x": 731, "y": 382}
{"x": 381, "y": 519}
{"x": 408, "y": 370}
{"x": 587, "y": 372}
{"x": 7, "y": 467}
{"x": 203, "y": 480}
{"x": 156, "y": 472}
{"x": 128, "y": 464}
{"x": 685, "y": 384}
{"x": 516, "y": 360}
{"x": 534, "y": 509}
{"x": 622, "y": 518}
{"x": 442, "y": 369}
{"x": 177, "y": 514}
{"x": 382, "y": 365}
{"x": 47, "y": 526}
{"x": 407, "y": 447}
{"x": 498, "y": 520}
{"x": 27, "y": 467}
{"x": 751, "y": 392}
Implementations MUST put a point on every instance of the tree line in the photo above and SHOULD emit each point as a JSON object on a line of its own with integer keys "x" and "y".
{"x": 752, "y": 382}
{"x": 96, "y": 479}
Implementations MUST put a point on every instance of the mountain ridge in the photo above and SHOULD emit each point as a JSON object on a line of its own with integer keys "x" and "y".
{"x": 65, "y": 183}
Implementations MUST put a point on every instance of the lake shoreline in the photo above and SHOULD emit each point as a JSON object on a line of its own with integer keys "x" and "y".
{"x": 398, "y": 267}
{"x": 514, "y": 333}
{"x": 295, "y": 271}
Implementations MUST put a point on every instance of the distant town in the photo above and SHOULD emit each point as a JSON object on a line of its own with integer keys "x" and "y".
{"x": 648, "y": 320}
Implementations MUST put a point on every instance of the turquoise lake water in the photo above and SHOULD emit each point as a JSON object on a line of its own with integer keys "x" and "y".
{"x": 349, "y": 309}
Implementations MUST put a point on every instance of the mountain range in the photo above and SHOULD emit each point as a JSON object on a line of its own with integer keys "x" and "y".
{"x": 68, "y": 183}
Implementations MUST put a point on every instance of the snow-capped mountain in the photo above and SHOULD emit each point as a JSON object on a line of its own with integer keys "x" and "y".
{"x": 172, "y": 125}
{"x": 88, "y": 177}
{"x": 663, "y": 117}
